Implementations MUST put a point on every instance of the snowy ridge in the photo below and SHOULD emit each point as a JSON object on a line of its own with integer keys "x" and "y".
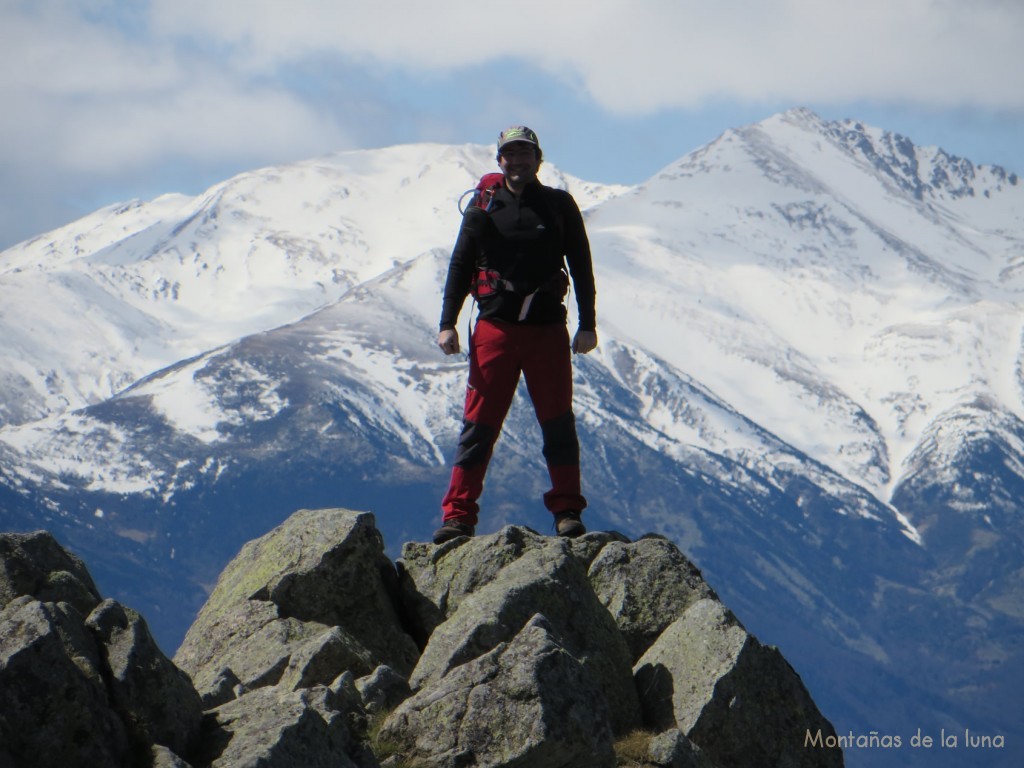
{"x": 162, "y": 281}
{"x": 810, "y": 375}
{"x": 804, "y": 227}
{"x": 821, "y": 219}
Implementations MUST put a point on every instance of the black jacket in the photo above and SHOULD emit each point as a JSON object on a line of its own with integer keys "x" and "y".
{"x": 528, "y": 241}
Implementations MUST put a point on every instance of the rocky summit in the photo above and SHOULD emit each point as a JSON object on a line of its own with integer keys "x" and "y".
{"x": 315, "y": 650}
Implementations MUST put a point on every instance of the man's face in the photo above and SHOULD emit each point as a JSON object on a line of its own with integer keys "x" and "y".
{"x": 518, "y": 161}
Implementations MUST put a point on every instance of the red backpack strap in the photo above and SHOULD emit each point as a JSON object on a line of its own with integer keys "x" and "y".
{"x": 486, "y": 188}
{"x": 483, "y": 192}
{"x": 490, "y": 181}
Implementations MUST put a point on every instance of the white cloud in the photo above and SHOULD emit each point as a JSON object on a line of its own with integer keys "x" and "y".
{"x": 207, "y": 121}
{"x": 651, "y": 54}
{"x": 50, "y": 50}
{"x": 100, "y": 92}
{"x": 92, "y": 103}
{"x": 97, "y": 101}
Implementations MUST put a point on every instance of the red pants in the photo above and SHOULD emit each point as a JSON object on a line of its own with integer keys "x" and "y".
{"x": 499, "y": 353}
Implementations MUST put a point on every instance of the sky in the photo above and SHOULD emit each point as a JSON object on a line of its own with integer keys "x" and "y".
{"x": 107, "y": 101}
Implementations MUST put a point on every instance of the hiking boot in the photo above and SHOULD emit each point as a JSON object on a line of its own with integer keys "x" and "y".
{"x": 568, "y": 524}
{"x": 452, "y": 530}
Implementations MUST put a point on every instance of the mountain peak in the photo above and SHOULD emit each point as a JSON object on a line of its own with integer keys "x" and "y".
{"x": 785, "y": 315}
{"x": 923, "y": 172}
{"x": 514, "y": 622}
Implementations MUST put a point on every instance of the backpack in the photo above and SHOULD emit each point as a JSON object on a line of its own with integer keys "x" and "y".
{"x": 488, "y": 281}
{"x": 483, "y": 192}
{"x": 482, "y": 196}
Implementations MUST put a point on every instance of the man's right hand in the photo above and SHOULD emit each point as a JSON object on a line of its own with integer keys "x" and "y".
{"x": 448, "y": 341}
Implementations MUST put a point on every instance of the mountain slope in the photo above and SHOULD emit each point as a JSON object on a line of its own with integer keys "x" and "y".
{"x": 144, "y": 285}
{"x": 841, "y": 294}
{"x": 809, "y": 376}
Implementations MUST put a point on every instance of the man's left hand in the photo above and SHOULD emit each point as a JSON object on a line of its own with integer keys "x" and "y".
{"x": 585, "y": 341}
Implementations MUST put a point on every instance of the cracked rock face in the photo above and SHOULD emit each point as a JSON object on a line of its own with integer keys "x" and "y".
{"x": 315, "y": 650}
{"x": 526, "y": 701}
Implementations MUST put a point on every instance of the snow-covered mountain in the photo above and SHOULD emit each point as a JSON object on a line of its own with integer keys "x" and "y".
{"x": 810, "y": 377}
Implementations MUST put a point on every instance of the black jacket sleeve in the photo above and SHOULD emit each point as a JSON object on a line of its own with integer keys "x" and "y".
{"x": 460, "y": 270}
{"x": 581, "y": 268}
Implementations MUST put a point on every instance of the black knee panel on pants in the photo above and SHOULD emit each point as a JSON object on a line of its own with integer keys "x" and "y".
{"x": 561, "y": 445}
{"x": 475, "y": 444}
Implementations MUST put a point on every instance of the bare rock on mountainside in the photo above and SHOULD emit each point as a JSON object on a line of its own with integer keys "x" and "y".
{"x": 314, "y": 650}
{"x": 544, "y": 579}
{"x": 35, "y": 564}
{"x": 528, "y": 701}
{"x": 736, "y": 689}
{"x": 82, "y": 682}
{"x": 299, "y": 606}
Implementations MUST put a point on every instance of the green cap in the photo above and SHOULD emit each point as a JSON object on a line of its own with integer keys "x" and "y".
{"x": 517, "y": 133}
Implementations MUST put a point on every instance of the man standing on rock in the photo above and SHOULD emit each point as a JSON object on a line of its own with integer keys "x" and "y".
{"x": 515, "y": 242}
